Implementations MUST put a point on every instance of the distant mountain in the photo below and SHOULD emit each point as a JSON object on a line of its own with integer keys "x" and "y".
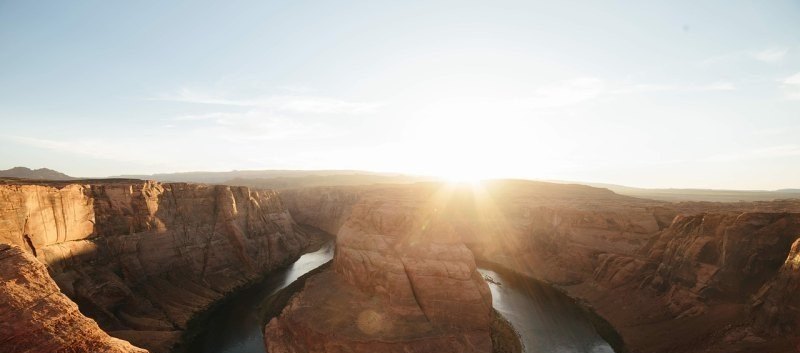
{"x": 280, "y": 178}
{"x": 304, "y": 181}
{"x": 27, "y": 173}
{"x": 288, "y": 179}
{"x": 713, "y": 195}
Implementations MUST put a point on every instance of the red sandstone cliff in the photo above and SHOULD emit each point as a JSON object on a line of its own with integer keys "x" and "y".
{"x": 402, "y": 281}
{"x": 775, "y": 306}
{"x": 671, "y": 277}
{"x": 36, "y": 317}
{"x": 698, "y": 278}
{"x": 142, "y": 258}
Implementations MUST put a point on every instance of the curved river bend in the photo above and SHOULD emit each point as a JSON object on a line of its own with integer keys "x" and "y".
{"x": 546, "y": 320}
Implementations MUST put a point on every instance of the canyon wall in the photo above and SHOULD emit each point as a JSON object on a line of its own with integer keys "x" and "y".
{"x": 694, "y": 276}
{"x": 699, "y": 278}
{"x": 142, "y": 258}
{"x": 37, "y": 317}
{"x": 776, "y": 306}
{"x": 402, "y": 281}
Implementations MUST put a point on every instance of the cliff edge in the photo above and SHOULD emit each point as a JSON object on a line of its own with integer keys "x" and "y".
{"x": 142, "y": 258}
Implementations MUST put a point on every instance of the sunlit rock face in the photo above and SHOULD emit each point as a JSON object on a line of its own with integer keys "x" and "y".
{"x": 556, "y": 230}
{"x": 142, "y": 258}
{"x": 705, "y": 257}
{"x": 688, "y": 277}
{"x": 36, "y": 317}
{"x": 776, "y": 306}
{"x": 402, "y": 281}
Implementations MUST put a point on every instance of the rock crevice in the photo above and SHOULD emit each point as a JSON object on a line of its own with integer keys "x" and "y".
{"x": 688, "y": 276}
{"x": 141, "y": 257}
{"x": 402, "y": 281}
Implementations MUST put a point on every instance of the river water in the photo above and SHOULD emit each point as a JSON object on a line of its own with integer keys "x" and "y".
{"x": 546, "y": 320}
{"x": 236, "y": 326}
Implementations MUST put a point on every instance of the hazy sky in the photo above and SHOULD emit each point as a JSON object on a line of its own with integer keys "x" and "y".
{"x": 642, "y": 93}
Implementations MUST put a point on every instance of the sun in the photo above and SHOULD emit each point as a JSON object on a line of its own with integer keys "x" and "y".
{"x": 462, "y": 179}
{"x": 462, "y": 175}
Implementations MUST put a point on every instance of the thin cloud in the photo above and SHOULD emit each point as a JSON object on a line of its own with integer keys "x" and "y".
{"x": 125, "y": 150}
{"x": 759, "y": 153}
{"x": 579, "y": 90}
{"x": 299, "y": 104}
{"x": 717, "y": 86}
{"x": 793, "y": 80}
{"x": 173, "y": 152}
{"x": 247, "y": 115}
{"x": 791, "y": 86}
{"x": 777, "y": 131}
{"x": 255, "y": 124}
{"x": 569, "y": 92}
{"x": 771, "y": 55}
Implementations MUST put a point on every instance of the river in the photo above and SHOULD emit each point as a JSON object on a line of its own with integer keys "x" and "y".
{"x": 546, "y": 320}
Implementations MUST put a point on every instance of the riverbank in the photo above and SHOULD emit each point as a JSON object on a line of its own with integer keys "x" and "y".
{"x": 201, "y": 323}
{"x": 505, "y": 339}
{"x": 235, "y": 324}
{"x": 556, "y": 296}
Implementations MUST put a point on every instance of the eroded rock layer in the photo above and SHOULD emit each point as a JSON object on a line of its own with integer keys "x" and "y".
{"x": 402, "y": 281}
{"x": 36, "y": 317}
{"x": 142, "y": 258}
{"x": 688, "y": 277}
{"x": 776, "y": 306}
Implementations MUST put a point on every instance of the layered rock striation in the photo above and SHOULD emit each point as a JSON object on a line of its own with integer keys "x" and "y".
{"x": 402, "y": 281}
{"x": 142, "y": 258}
{"x": 36, "y": 317}
{"x": 775, "y": 306}
{"x": 700, "y": 277}
{"x": 690, "y": 276}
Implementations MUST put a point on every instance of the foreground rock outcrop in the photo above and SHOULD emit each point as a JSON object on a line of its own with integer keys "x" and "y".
{"x": 671, "y": 277}
{"x": 776, "y": 305}
{"x": 36, "y": 317}
{"x": 142, "y": 258}
{"x": 402, "y": 281}
{"x": 698, "y": 277}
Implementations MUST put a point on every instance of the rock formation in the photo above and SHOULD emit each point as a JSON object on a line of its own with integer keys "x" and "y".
{"x": 402, "y": 281}
{"x": 690, "y": 276}
{"x": 700, "y": 274}
{"x": 36, "y": 317}
{"x": 142, "y": 258}
{"x": 719, "y": 256}
{"x": 775, "y": 305}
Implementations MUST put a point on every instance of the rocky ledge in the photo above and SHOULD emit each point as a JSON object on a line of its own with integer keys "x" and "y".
{"x": 142, "y": 258}
{"x": 402, "y": 281}
{"x": 670, "y": 277}
{"x": 37, "y": 317}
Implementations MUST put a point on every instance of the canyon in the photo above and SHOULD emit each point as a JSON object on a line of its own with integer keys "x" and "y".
{"x": 402, "y": 275}
{"x": 669, "y": 277}
{"x": 140, "y": 258}
{"x": 128, "y": 264}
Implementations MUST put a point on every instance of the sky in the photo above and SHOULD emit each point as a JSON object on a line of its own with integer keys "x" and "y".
{"x": 702, "y": 94}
